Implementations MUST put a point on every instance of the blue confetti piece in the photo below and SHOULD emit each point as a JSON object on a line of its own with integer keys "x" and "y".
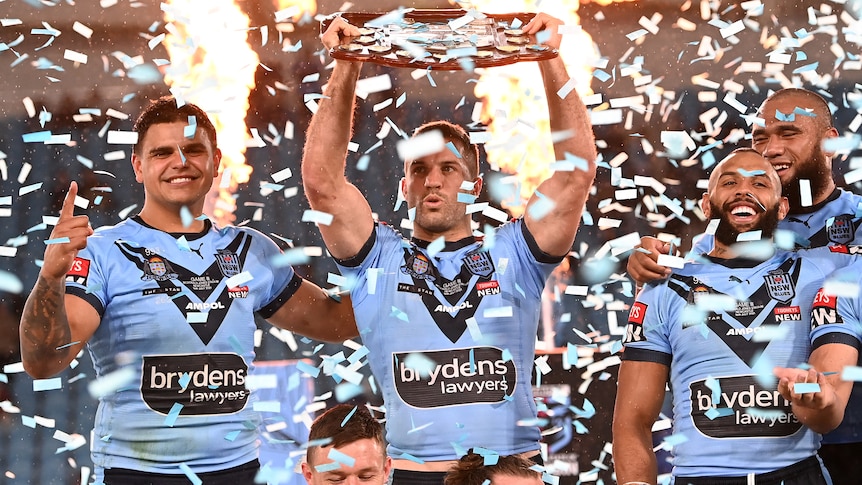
{"x": 144, "y": 74}
{"x": 806, "y": 387}
{"x": 190, "y": 129}
{"x": 397, "y": 313}
{"x": 36, "y": 137}
{"x": 232, "y": 435}
{"x": 466, "y": 198}
{"x": 349, "y": 415}
{"x": 580, "y": 428}
{"x": 59, "y": 240}
{"x": 806, "y": 68}
{"x": 675, "y": 439}
{"x": 374, "y": 146}
{"x": 173, "y": 414}
{"x": 408, "y": 456}
{"x": 186, "y": 216}
{"x": 341, "y": 457}
{"x": 453, "y": 149}
{"x": 713, "y": 384}
{"x": 234, "y": 343}
{"x": 363, "y": 162}
{"x": 436, "y": 246}
{"x": 430, "y": 79}
{"x": 307, "y": 368}
{"x": 543, "y": 36}
{"x": 784, "y": 117}
{"x": 346, "y": 391}
{"x": 753, "y": 173}
{"x": 184, "y": 381}
{"x": 327, "y": 467}
{"x": 601, "y": 75}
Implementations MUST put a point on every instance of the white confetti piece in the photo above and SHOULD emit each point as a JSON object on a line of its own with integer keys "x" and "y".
{"x": 421, "y": 145}
{"x": 196, "y": 317}
{"x": 805, "y": 193}
{"x": 74, "y": 56}
{"x": 110, "y": 383}
{"x": 282, "y": 175}
{"x": 606, "y": 117}
{"x": 47, "y": 384}
{"x": 317, "y": 217}
{"x": 239, "y": 279}
{"x": 122, "y": 138}
{"x": 375, "y": 84}
{"x": 500, "y": 312}
{"x": 671, "y": 261}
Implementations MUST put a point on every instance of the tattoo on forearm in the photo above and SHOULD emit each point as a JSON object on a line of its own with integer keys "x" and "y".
{"x": 40, "y": 327}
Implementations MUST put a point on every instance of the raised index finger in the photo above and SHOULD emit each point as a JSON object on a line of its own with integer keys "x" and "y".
{"x": 68, "y": 209}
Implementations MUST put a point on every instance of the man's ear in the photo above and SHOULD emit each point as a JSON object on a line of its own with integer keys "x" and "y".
{"x": 404, "y": 187}
{"x": 306, "y": 471}
{"x": 704, "y": 204}
{"x": 783, "y": 208}
{"x": 477, "y": 186}
{"x": 830, "y": 133}
{"x": 136, "y": 166}
{"x": 216, "y": 161}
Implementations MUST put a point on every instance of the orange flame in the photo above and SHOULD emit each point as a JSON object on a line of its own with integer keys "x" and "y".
{"x": 213, "y": 66}
{"x": 295, "y": 8}
{"x": 514, "y": 106}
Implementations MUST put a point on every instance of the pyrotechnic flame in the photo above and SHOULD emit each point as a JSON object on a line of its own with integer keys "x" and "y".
{"x": 213, "y": 66}
{"x": 296, "y": 9}
{"x": 514, "y": 105}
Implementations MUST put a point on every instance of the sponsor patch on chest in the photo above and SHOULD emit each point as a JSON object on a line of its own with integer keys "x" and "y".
{"x": 454, "y": 377}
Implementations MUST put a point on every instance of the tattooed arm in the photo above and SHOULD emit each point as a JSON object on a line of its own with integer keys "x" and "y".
{"x": 54, "y": 326}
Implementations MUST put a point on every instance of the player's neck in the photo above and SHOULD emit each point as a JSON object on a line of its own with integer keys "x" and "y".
{"x": 171, "y": 221}
{"x": 451, "y": 235}
{"x": 823, "y": 194}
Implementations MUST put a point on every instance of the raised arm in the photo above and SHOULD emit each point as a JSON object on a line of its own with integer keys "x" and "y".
{"x": 640, "y": 393}
{"x": 55, "y": 326}
{"x": 313, "y": 313}
{"x": 821, "y": 411}
{"x": 325, "y": 152}
{"x": 568, "y": 190}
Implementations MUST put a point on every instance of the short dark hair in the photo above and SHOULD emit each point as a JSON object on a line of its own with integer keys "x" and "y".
{"x": 816, "y": 103}
{"x": 331, "y": 424}
{"x": 165, "y": 110}
{"x": 471, "y": 469}
{"x": 458, "y": 136}
{"x": 745, "y": 150}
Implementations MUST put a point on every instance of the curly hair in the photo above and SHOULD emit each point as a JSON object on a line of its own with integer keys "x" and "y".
{"x": 471, "y": 469}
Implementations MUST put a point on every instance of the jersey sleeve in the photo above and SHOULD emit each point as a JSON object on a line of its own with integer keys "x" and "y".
{"x": 86, "y": 279}
{"x": 838, "y": 318}
{"x": 528, "y": 259}
{"x": 361, "y": 270}
{"x": 283, "y": 281}
{"x": 647, "y": 333}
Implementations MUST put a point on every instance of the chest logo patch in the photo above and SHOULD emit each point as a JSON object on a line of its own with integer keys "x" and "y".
{"x": 450, "y": 302}
{"x": 202, "y": 292}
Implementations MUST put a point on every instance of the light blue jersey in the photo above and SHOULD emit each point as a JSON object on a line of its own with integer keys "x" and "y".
{"x": 451, "y": 332}
{"x": 838, "y": 319}
{"x": 836, "y": 220}
{"x": 177, "y": 335}
{"x": 728, "y": 414}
